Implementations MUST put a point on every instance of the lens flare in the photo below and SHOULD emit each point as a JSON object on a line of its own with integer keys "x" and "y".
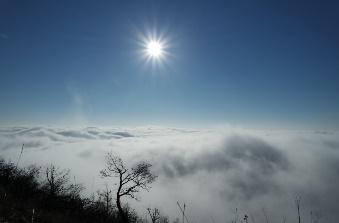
{"x": 154, "y": 49}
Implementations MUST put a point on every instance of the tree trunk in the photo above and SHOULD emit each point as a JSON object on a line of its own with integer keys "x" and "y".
{"x": 299, "y": 218}
{"x": 121, "y": 211}
{"x": 122, "y": 214}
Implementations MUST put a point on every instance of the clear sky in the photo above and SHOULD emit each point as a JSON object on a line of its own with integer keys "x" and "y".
{"x": 241, "y": 62}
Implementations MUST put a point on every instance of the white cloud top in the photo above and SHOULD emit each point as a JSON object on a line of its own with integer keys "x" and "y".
{"x": 213, "y": 170}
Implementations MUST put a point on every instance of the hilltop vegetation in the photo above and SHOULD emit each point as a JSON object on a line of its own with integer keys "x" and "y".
{"x": 34, "y": 194}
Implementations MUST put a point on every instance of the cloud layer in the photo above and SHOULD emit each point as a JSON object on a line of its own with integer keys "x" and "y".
{"x": 213, "y": 170}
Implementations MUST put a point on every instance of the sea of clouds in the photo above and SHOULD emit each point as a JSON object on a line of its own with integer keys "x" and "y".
{"x": 214, "y": 171}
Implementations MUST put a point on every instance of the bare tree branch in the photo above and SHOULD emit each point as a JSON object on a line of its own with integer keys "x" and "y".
{"x": 131, "y": 180}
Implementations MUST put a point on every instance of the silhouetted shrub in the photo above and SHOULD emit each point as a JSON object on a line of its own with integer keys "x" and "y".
{"x": 30, "y": 194}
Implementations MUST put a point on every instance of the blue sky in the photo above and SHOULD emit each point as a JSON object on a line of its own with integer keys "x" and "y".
{"x": 253, "y": 63}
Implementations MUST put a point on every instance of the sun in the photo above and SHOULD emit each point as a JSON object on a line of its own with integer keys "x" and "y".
{"x": 154, "y": 49}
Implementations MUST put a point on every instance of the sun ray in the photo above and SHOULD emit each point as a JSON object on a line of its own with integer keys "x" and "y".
{"x": 154, "y": 50}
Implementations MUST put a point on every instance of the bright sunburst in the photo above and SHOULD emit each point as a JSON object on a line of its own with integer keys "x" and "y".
{"x": 154, "y": 49}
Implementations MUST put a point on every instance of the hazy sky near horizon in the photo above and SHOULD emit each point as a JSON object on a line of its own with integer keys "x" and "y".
{"x": 238, "y": 62}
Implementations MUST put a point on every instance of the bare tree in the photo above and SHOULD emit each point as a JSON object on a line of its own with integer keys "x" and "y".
{"x": 21, "y": 151}
{"x": 154, "y": 214}
{"x": 246, "y": 218}
{"x": 106, "y": 195}
{"x": 235, "y": 216}
{"x": 56, "y": 180}
{"x": 297, "y": 201}
{"x": 131, "y": 180}
{"x": 74, "y": 190}
{"x": 182, "y": 210}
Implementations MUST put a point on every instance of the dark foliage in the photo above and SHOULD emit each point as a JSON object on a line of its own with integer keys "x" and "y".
{"x": 34, "y": 195}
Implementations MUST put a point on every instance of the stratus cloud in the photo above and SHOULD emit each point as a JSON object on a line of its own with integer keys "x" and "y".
{"x": 213, "y": 171}
{"x": 251, "y": 161}
{"x": 258, "y": 156}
